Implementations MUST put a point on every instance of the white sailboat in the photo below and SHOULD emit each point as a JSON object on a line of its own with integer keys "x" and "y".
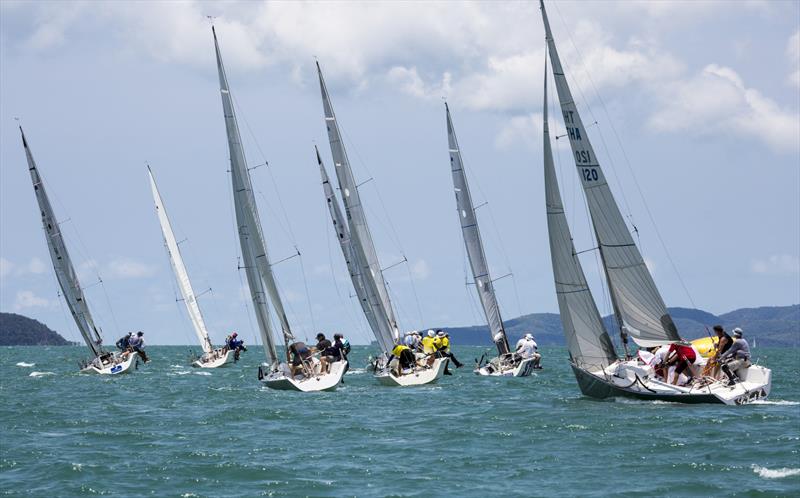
{"x": 637, "y": 303}
{"x": 506, "y": 363}
{"x": 211, "y": 358}
{"x": 260, "y": 278}
{"x": 102, "y": 361}
{"x": 359, "y": 252}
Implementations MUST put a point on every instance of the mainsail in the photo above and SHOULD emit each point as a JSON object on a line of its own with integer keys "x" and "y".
{"x": 587, "y": 339}
{"x": 472, "y": 237}
{"x": 65, "y": 271}
{"x": 254, "y": 253}
{"x": 636, "y": 299}
{"x": 185, "y": 285}
{"x": 385, "y": 326}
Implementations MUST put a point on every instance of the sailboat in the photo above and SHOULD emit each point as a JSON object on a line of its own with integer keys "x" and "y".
{"x": 638, "y": 306}
{"x": 506, "y": 363}
{"x": 102, "y": 361}
{"x": 211, "y": 358}
{"x": 260, "y": 279}
{"x": 355, "y": 240}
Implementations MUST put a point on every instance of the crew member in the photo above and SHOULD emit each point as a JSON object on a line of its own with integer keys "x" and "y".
{"x": 322, "y": 346}
{"x": 136, "y": 343}
{"x": 299, "y": 354}
{"x": 724, "y": 343}
{"x": 235, "y": 344}
{"x": 401, "y": 358}
{"x": 124, "y": 342}
{"x": 683, "y": 356}
{"x": 738, "y": 356}
{"x": 527, "y": 348}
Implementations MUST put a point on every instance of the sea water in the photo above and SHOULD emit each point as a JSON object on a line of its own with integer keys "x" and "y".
{"x": 173, "y": 430}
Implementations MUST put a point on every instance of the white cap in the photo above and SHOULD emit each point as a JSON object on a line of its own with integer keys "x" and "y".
{"x": 737, "y": 332}
{"x": 431, "y": 333}
{"x": 528, "y": 336}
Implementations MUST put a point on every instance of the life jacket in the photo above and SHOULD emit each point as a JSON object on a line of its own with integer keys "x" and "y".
{"x": 428, "y": 344}
{"x": 398, "y": 350}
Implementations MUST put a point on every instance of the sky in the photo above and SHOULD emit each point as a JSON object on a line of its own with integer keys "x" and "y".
{"x": 696, "y": 108}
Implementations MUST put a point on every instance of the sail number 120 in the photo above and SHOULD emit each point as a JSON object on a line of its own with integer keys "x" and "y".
{"x": 590, "y": 174}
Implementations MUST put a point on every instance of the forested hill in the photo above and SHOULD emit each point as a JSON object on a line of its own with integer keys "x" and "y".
{"x": 18, "y": 330}
{"x": 769, "y": 325}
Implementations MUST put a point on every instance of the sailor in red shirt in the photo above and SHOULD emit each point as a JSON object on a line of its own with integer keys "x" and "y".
{"x": 682, "y": 355}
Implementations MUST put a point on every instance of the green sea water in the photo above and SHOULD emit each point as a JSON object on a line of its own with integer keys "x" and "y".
{"x": 172, "y": 430}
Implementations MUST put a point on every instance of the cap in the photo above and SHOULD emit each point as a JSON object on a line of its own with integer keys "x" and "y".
{"x": 320, "y": 336}
{"x": 440, "y": 333}
{"x": 431, "y": 333}
{"x": 737, "y": 332}
{"x": 528, "y": 336}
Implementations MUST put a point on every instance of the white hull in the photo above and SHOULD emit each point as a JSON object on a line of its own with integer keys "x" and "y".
{"x": 631, "y": 379}
{"x": 418, "y": 377}
{"x": 523, "y": 369}
{"x": 217, "y": 360}
{"x": 281, "y": 379}
{"x": 115, "y": 367}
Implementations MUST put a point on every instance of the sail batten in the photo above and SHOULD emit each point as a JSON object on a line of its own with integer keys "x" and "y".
{"x": 472, "y": 238}
{"x": 65, "y": 272}
{"x": 384, "y": 327}
{"x": 634, "y": 294}
{"x": 178, "y": 267}
{"x": 258, "y": 270}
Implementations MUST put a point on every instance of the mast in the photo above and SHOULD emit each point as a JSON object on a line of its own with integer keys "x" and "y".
{"x": 367, "y": 296}
{"x": 642, "y": 311}
{"x": 254, "y": 254}
{"x": 181, "y": 275}
{"x": 472, "y": 238}
{"x": 360, "y": 234}
{"x": 62, "y": 263}
{"x": 587, "y": 340}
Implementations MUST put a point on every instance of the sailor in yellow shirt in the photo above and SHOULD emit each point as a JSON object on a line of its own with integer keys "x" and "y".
{"x": 443, "y": 349}
{"x": 402, "y": 358}
{"x": 429, "y": 343}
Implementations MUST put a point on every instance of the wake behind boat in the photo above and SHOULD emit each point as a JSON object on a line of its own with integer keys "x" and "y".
{"x": 302, "y": 374}
{"x": 211, "y": 357}
{"x": 355, "y": 241}
{"x": 102, "y": 361}
{"x": 638, "y": 306}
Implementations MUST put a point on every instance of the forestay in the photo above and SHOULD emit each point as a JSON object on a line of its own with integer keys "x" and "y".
{"x": 588, "y": 342}
{"x": 254, "y": 254}
{"x": 636, "y": 298}
{"x": 65, "y": 271}
{"x": 181, "y": 275}
{"x": 472, "y": 237}
{"x": 361, "y": 238}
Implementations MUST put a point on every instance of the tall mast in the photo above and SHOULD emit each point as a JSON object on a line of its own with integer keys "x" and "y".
{"x": 62, "y": 264}
{"x": 472, "y": 238}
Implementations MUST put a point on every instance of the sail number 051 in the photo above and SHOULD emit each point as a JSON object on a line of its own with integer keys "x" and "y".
{"x": 590, "y": 174}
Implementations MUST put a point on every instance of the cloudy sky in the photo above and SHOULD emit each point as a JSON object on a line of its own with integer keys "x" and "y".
{"x": 696, "y": 108}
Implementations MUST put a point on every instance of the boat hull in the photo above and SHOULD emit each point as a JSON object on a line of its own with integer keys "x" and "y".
{"x": 756, "y": 384}
{"x": 523, "y": 369}
{"x": 282, "y": 381}
{"x": 220, "y": 361}
{"x": 419, "y": 377}
{"x": 127, "y": 365}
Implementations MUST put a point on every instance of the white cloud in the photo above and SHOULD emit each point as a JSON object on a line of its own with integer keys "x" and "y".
{"x": 128, "y": 268}
{"x": 27, "y": 299}
{"x": 793, "y": 52}
{"x": 35, "y": 266}
{"x": 6, "y": 267}
{"x": 777, "y": 264}
{"x": 717, "y": 101}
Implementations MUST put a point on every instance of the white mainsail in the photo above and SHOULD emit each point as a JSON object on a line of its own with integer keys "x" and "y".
{"x": 65, "y": 271}
{"x": 587, "y": 339}
{"x": 181, "y": 275}
{"x": 472, "y": 237}
{"x": 254, "y": 254}
{"x": 636, "y": 299}
{"x": 385, "y": 325}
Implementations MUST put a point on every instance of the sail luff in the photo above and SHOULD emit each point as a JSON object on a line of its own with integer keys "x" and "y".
{"x": 587, "y": 339}
{"x": 359, "y": 229}
{"x": 62, "y": 263}
{"x": 367, "y": 297}
{"x": 250, "y": 238}
{"x": 472, "y": 237}
{"x": 644, "y": 314}
{"x": 179, "y": 268}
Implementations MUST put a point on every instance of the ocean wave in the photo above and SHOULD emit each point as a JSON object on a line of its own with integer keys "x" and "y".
{"x": 40, "y": 374}
{"x": 775, "y": 473}
{"x": 779, "y": 402}
{"x": 202, "y": 373}
{"x": 23, "y": 364}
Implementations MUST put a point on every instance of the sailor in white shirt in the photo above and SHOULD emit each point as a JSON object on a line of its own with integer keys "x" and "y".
{"x": 526, "y": 347}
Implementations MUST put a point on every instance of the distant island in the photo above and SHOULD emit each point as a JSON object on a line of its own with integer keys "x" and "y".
{"x": 768, "y": 325}
{"x": 18, "y": 330}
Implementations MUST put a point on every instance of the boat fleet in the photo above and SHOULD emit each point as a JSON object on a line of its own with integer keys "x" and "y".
{"x": 601, "y": 372}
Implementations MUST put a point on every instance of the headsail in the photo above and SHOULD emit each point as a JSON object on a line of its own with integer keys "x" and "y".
{"x": 360, "y": 235}
{"x": 472, "y": 237}
{"x": 65, "y": 271}
{"x": 181, "y": 275}
{"x": 636, "y": 298}
{"x": 587, "y": 339}
{"x": 254, "y": 254}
